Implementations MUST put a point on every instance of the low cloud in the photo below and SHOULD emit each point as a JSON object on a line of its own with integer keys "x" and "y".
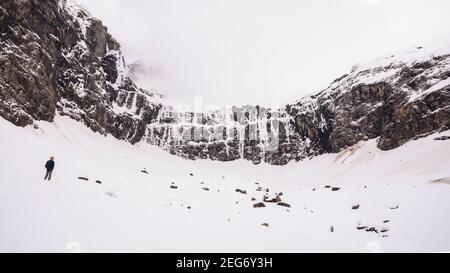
{"x": 261, "y": 51}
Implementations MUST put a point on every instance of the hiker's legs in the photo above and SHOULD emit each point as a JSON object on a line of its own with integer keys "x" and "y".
{"x": 48, "y": 175}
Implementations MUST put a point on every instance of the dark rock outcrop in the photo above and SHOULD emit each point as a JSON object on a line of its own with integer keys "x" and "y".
{"x": 56, "y": 58}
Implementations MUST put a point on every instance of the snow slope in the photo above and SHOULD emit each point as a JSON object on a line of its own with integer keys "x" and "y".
{"x": 136, "y": 212}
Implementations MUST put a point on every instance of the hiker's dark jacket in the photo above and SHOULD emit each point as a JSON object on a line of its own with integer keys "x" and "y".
{"x": 50, "y": 165}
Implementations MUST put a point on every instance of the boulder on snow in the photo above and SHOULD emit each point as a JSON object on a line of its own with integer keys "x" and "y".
{"x": 442, "y": 138}
{"x": 277, "y": 198}
{"x": 83, "y": 178}
{"x": 259, "y": 205}
{"x": 335, "y": 189}
{"x": 174, "y": 187}
{"x": 372, "y": 229}
{"x": 284, "y": 204}
{"x": 98, "y": 182}
{"x": 355, "y": 207}
{"x": 265, "y": 224}
{"x": 205, "y": 188}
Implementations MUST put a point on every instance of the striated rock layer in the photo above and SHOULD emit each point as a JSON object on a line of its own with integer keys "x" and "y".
{"x": 55, "y": 58}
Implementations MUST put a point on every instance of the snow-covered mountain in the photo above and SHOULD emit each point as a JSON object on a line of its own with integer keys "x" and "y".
{"x": 56, "y": 58}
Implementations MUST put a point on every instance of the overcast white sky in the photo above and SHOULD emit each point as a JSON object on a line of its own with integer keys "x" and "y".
{"x": 262, "y": 51}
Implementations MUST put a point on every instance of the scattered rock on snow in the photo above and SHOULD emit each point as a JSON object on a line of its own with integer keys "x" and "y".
{"x": 327, "y": 187}
{"x": 332, "y": 229}
{"x": 83, "y": 178}
{"x": 372, "y": 229}
{"x": 277, "y": 198}
{"x": 335, "y": 189}
{"x": 442, "y": 138}
{"x": 205, "y": 189}
{"x": 386, "y": 221}
{"x": 361, "y": 227}
{"x": 174, "y": 187}
{"x": 241, "y": 191}
{"x": 395, "y": 207}
{"x": 445, "y": 180}
{"x": 144, "y": 171}
{"x": 284, "y": 204}
{"x": 259, "y": 205}
{"x": 98, "y": 182}
{"x": 112, "y": 194}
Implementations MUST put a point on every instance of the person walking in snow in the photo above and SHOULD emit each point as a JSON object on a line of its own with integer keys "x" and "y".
{"x": 50, "y": 165}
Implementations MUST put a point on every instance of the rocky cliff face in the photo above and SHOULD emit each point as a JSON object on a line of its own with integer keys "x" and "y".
{"x": 56, "y": 59}
{"x": 395, "y": 99}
